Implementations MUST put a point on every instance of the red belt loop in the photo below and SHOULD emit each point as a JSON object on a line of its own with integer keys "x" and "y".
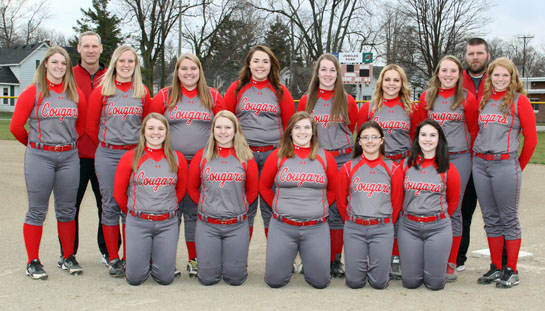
{"x": 152, "y": 217}
{"x": 423, "y": 218}
{"x": 118, "y": 147}
{"x": 339, "y": 152}
{"x": 369, "y": 222}
{"x": 56, "y": 148}
{"x": 299, "y": 223}
{"x": 261, "y": 148}
{"x": 492, "y": 156}
{"x": 216, "y": 221}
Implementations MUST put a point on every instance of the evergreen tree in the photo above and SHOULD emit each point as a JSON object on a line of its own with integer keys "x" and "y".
{"x": 101, "y": 21}
{"x": 278, "y": 40}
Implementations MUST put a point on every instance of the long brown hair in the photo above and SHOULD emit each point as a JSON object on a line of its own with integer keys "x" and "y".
{"x": 286, "y": 144}
{"x": 167, "y": 146}
{"x": 404, "y": 92}
{"x": 515, "y": 86}
{"x": 108, "y": 81}
{"x": 40, "y": 76}
{"x": 242, "y": 151}
{"x": 202, "y": 87}
{"x": 435, "y": 84}
{"x": 340, "y": 99}
{"x": 245, "y": 74}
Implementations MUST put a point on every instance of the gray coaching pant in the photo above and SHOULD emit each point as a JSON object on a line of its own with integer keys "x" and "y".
{"x": 188, "y": 209}
{"x": 463, "y": 163}
{"x": 151, "y": 240}
{"x": 222, "y": 250}
{"x": 105, "y": 165}
{"x": 424, "y": 249}
{"x": 266, "y": 211}
{"x": 313, "y": 244}
{"x": 498, "y": 189}
{"x": 47, "y": 171}
{"x": 367, "y": 252}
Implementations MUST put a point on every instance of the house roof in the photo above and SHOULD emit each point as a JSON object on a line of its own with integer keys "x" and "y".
{"x": 7, "y": 76}
{"x": 16, "y": 54}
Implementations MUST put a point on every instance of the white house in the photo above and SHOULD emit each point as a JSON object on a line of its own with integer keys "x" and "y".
{"x": 17, "y": 67}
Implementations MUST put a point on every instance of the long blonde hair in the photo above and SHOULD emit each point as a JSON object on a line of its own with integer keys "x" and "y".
{"x": 175, "y": 93}
{"x": 404, "y": 92}
{"x": 40, "y": 76}
{"x": 167, "y": 146}
{"x": 340, "y": 99}
{"x": 242, "y": 151}
{"x": 108, "y": 81}
{"x": 286, "y": 144}
{"x": 515, "y": 86}
{"x": 435, "y": 84}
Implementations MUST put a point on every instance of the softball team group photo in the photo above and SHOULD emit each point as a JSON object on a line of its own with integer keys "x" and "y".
{"x": 394, "y": 183}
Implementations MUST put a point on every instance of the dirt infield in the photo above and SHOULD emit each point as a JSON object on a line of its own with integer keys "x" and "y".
{"x": 96, "y": 290}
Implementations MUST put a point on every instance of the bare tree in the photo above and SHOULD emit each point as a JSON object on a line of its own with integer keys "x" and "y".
{"x": 534, "y": 62}
{"x": 20, "y": 21}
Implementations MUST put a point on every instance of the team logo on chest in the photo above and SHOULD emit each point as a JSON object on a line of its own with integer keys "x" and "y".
{"x": 419, "y": 186}
{"x": 190, "y": 116}
{"x": 123, "y": 111}
{"x": 390, "y": 125}
{"x": 484, "y": 119}
{"x": 441, "y": 117}
{"x": 300, "y": 177}
{"x": 257, "y": 107}
{"x": 222, "y": 177}
{"x": 58, "y": 112}
{"x": 370, "y": 188}
{"x": 155, "y": 182}
{"x": 324, "y": 119}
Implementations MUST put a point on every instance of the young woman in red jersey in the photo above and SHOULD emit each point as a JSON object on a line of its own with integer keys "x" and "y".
{"x": 504, "y": 112}
{"x": 391, "y": 107}
{"x": 369, "y": 196}
{"x": 455, "y": 109}
{"x": 150, "y": 181}
{"x": 189, "y": 106}
{"x": 263, "y": 106}
{"x": 335, "y": 113}
{"x": 223, "y": 181}
{"x": 52, "y": 105}
{"x": 116, "y": 109}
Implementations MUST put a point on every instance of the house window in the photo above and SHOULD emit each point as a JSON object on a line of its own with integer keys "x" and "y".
{"x": 12, "y": 92}
{"x": 5, "y": 92}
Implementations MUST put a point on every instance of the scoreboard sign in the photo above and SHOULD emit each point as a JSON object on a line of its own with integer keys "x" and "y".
{"x": 357, "y": 73}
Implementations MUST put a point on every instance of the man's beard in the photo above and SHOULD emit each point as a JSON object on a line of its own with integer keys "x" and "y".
{"x": 477, "y": 71}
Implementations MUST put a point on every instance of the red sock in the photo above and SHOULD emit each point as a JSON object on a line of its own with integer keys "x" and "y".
{"x": 111, "y": 237}
{"x": 336, "y": 242}
{"x": 124, "y": 242}
{"x": 251, "y": 232}
{"x": 395, "y": 249}
{"x": 33, "y": 236}
{"x": 191, "y": 251}
{"x": 495, "y": 244}
{"x": 513, "y": 248}
{"x": 67, "y": 235}
{"x": 454, "y": 249}
{"x": 266, "y": 233}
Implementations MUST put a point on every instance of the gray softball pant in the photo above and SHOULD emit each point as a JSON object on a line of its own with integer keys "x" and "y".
{"x": 47, "y": 171}
{"x": 463, "y": 164}
{"x": 105, "y": 165}
{"x": 424, "y": 248}
{"x": 188, "y": 209}
{"x": 151, "y": 240}
{"x": 498, "y": 190}
{"x": 367, "y": 252}
{"x": 335, "y": 221}
{"x": 222, "y": 251}
{"x": 266, "y": 211}
{"x": 313, "y": 244}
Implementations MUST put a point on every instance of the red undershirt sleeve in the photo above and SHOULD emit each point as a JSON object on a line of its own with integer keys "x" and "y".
{"x": 396, "y": 191}
{"x": 194, "y": 177}
{"x": 363, "y": 114}
{"x": 302, "y": 103}
{"x": 352, "y": 113}
{"x": 229, "y": 101}
{"x": 331, "y": 177}
{"x": 121, "y": 180}
{"x": 266, "y": 179}
{"x": 159, "y": 102}
{"x": 181, "y": 185}
{"x": 528, "y": 123}
{"x": 343, "y": 184}
{"x": 94, "y": 107}
{"x": 287, "y": 107}
{"x": 453, "y": 189}
{"x": 217, "y": 101}
{"x": 146, "y": 104}
{"x": 252, "y": 181}
{"x": 471, "y": 109}
{"x": 23, "y": 109}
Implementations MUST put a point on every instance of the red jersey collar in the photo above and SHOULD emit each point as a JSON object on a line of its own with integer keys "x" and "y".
{"x": 260, "y": 84}
{"x": 155, "y": 154}
{"x": 497, "y": 95}
{"x": 447, "y": 92}
{"x": 391, "y": 102}
{"x": 55, "y": 87}
{"x": 194, "y": 92}
{"x": 225, "y": 152}
{"x": 124, "y": 86}
{"x": 302, "y": 152}
{"x": 325, "y": 94}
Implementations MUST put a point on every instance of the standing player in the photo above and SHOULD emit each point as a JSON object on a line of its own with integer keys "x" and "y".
{"x": 150, "y": 181}
{"x": 304, "y": 185}
{"x": 432, "y": 191}
{"x": 392, "y": 108}
{"x": 223, "y": 181}
{"x": 116, "y": 109}
{"x": 189, "y": 105}
{"x": 54, "y": 109}
{"x": 335, "y": 113}
{"x": 88, "y": 74}
{"x": 504, "y": 112}
{"x": 476, "y": 58}
{"x": 456, "y": 111}
{"x": 369, "y": 197}
{"x": 263, "y": 106}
